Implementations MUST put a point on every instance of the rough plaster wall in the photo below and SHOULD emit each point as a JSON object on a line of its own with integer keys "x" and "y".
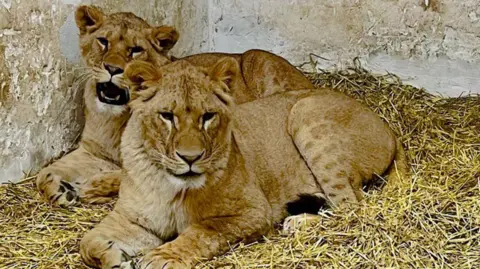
{"x": 436, "y": 47}
{"x": 188, "y": 16}
{"x": 38, "y": 115}
{"x": 40, "y": 99}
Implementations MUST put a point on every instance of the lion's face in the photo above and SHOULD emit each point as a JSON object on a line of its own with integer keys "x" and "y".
{"x": 109, "y": 42}
{"x": 185, "y": 119}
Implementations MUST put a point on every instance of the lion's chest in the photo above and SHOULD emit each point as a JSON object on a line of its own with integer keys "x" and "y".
{"x": 154, "y": 208}
{"x": 162, "y": 219}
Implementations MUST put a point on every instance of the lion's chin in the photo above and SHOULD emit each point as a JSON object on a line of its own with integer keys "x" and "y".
{"x": 188, "y": 180}
{"x": 113, "y": 110}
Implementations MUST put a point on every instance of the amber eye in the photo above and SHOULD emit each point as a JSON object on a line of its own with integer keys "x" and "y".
{"x": 104, "y": 42}
{"x": 208, "y": 116}
{"x": 135, "y": 51}
{"x": 168, "y": 116}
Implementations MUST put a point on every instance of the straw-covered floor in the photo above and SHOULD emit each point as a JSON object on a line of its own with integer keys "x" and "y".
{"x": 431, "y": 220}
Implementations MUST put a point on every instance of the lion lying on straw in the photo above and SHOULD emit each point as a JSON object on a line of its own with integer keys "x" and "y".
{"x": 260, "y": 160}
{"x": 108, "y": 42}
{"x": 213, "y": 173}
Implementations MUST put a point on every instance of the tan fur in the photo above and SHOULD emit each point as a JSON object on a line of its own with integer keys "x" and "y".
{"x": 262, "y": 74}
{"x": 85, "y": 172}
{"x": 80, "y": 172}
{"x": 249, "y": 160}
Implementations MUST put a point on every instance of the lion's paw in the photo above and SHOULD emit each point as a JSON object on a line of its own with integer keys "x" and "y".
{"x": 58, "y": 191}
{"x": 67, "y": 194}
{"x": 128, "y": 265}
{"x": 298, "y": 222}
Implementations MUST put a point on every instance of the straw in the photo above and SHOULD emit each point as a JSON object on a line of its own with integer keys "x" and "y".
{"x": 431, "y": 220}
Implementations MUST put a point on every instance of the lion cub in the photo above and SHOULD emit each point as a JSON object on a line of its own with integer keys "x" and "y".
{"x": 211, "y": 173}
{"x": 107, "y": 43}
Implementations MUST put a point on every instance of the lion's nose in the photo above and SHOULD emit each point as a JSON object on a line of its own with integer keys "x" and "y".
{"x": 190, "y": 157}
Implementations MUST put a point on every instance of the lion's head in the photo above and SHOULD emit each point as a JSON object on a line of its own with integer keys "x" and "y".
{"x": 109, "y": 42}
{"x": 184, "y": 114}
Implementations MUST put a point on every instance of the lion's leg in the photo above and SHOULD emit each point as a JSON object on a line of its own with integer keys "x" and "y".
{"x": 113, "y": 242}
{"x": 316, "y": 139}
{"x": 62, "y": 182}
{"x": 344, "y": 143}
{"x": 207, "y": 239}
{"x": 338, "y": 180}
{"x": 101, "y": 187}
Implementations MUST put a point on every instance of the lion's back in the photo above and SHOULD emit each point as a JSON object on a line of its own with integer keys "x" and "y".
{"x": 263, "y": 73}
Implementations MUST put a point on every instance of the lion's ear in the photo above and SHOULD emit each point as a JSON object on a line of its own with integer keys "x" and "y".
{"x": 164, "y": 38}
{"x": 139, "y": 74}
{"x": 88, "y": 18}
{"x": 227, "y": 71}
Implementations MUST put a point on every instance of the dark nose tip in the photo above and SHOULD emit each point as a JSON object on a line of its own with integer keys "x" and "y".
{"x": 113, "y": 70}
{"x": 190, "y": 157}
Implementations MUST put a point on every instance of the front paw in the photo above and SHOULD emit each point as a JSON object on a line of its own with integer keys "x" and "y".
{"x": 57, "y": 191}
{"x": 67, "y": 195}
{"x": 155, "y": 260}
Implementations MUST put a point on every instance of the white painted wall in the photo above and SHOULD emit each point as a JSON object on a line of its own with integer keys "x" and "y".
{"x": 436, "y": 47}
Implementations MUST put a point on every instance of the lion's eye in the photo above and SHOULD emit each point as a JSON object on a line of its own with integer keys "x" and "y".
{"x": 135, "y": 51}
{"x": 168, "y": 116}
{"x": 208, "y": 116}
{"x": 103, "y": 42}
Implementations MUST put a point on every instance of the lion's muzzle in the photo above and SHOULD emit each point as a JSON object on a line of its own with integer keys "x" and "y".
{"x": 111, "y": 94}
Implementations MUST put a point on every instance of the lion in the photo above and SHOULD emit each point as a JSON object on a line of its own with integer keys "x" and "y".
{"x": 91, "y": 173}
{"x": 208, "y": 173}
{"x": 107, "y": 43}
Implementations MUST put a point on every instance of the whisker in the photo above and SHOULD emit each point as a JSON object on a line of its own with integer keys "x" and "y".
{"x": 82, "y": 79}
{"x": 80, "y": 82}
{"x": 81, "y": 68}
{"x": 98, "y": 69}
{"x": 79, "y": 78}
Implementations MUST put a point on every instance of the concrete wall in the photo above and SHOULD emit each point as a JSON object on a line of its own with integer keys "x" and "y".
{"x": 40, "y": 89}
{"x": 38, "y": 111}
{"x": 430, "y": 43}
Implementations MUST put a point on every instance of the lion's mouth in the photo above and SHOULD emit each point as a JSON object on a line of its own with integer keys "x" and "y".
{"x": 188, "y": 175}
{"x": 111, "y": 94}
